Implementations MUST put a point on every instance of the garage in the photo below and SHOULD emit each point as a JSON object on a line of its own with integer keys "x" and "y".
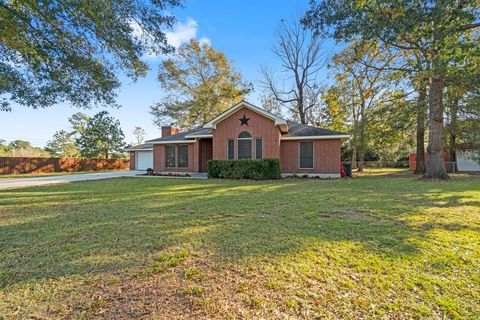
{"x": 144, "y": 160}
{"x": 141, "y": 156}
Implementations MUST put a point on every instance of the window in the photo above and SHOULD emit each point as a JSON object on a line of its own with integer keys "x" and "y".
{"x": 170, "y": 156}
{"x": 244, "y": 145}
{"x": 258, "y": 148}
{"x": 306, "y": 155}
{"x": 182, "y": 156}
{"x": 231, "y": 150}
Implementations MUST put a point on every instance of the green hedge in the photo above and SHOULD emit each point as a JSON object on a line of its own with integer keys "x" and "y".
{"x": 261, "y": 169}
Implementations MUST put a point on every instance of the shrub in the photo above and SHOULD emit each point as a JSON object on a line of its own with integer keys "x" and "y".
{"x": 261, "y": 169}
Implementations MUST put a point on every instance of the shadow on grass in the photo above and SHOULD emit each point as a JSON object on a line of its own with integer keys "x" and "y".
{"x": 112, "y": 225}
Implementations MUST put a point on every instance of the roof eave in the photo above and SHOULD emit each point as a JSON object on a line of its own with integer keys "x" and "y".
{"x": 338, "y": 136}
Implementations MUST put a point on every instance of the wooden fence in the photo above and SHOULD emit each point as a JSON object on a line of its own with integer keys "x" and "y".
{"x": 17, "y": 165}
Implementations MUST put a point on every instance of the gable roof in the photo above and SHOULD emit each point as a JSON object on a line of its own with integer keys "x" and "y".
{"x": 282, "y": 123}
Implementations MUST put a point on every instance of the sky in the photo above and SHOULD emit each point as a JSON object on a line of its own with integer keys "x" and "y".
{"x": 243, "y": 29}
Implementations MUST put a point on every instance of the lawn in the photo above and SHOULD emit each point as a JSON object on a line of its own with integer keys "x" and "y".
{"x": 377, "y": 246}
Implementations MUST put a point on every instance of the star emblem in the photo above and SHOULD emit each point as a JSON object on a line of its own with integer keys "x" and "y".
{"x": 244, "y": 120}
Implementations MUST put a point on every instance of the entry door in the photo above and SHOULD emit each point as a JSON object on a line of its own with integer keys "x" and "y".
{"x": 206, "y": 153}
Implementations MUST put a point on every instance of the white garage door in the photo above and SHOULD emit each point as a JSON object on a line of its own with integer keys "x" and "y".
{"x": 144, "y": 160}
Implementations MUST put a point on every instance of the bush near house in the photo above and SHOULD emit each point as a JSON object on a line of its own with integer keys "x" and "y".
{"x": 261, "y": 169}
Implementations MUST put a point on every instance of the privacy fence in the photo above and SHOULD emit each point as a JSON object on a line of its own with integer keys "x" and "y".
{"x": 17, "y": 165}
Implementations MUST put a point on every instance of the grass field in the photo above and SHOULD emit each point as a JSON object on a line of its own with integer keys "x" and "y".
{"x": 378, "y": 246}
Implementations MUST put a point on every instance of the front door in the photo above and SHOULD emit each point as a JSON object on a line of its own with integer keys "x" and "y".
{"x": 206, "y": 153}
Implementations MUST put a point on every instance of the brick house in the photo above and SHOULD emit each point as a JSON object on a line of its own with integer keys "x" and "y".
{"x": 243, "y": 132}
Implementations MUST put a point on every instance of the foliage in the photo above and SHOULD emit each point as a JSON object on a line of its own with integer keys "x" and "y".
{"x": 367, "y": 101}
{"x": 62, "y": 144}
{"x": 440, "y": 35}
{"x": 21, "y": 148}
{"x": 301, "y": 56}
{"x": 258, "y": 169}
{"x": 139, "y": 134}
{"x": 58, "y": 51}
{"x": 79, "y": 122}
{"x": 377, "y": 246}
{"x": 200, "y": 83}
{"x": 102, "y": 136}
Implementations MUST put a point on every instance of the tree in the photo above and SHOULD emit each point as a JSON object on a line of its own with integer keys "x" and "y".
{"x": 21, "y": 148}
{"x": 79, "y": 122}
{"x": 200, "y": 83}
{"x": 62, "y": 144}
{"x": 441, "y": 32}
{"x": 139, "y": 134}
{"x": 102, "y": 136}
{"x": 301, "y": 57}
{"x": 366, "y": 83}
{"x": 54, "y": 51}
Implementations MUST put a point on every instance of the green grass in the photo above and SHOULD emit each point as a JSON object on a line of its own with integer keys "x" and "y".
{"x": 48, "y": 174}
{"x": 378, "y": 246}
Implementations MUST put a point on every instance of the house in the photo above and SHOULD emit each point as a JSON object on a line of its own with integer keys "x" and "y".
{"x": 243, "y": 132}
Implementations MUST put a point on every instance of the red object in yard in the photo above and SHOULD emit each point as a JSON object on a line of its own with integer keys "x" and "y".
{"x": 343, "y": 172}
{"x": 412, "y": 160}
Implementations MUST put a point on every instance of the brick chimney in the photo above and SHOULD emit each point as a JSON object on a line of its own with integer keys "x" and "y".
{"x": 169, "y": 130}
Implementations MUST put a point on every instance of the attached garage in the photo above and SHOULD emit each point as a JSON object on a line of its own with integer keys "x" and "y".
{"x": 141, "y": 157}
{"x": 144, "y": 160}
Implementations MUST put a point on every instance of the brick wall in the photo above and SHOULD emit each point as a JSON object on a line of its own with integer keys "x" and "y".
{"x": 326, "y": 156}
{"x": 258, "y": 126}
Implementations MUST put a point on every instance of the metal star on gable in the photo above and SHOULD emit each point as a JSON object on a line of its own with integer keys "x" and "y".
{"x": 244, "y": 120}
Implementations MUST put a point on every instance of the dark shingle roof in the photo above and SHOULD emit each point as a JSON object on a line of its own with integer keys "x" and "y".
{"x": 140, "y": 147}
{"x": 302, "y": 130}
{"x": 181, "y": 135}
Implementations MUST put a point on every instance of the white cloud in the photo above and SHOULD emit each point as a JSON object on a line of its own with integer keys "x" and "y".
{"x": 182, "y": 33}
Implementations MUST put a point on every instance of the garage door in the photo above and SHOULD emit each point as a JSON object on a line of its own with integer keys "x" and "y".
{"x": 144, "y": 160}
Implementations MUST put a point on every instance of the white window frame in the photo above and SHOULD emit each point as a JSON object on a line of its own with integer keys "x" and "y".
{"x": 313, "y": 155}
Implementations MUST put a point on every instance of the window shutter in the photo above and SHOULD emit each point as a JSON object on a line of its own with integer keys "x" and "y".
{"x": 231, "y": 150}
{"x": 258, "y": 149}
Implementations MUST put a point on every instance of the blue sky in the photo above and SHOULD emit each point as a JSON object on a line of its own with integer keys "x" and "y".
{"x": 243, "y": 29}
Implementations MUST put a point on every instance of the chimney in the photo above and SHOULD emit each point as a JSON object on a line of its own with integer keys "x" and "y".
{"x": 169, "y": 130}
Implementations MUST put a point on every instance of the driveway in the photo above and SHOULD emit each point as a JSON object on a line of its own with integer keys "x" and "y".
{"x": 40, "y": 181}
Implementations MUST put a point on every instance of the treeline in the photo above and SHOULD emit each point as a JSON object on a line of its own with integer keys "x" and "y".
{"x": 99, "y": 136}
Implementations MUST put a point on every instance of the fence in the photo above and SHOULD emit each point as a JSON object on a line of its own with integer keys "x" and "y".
{"x": 18, "y": 165}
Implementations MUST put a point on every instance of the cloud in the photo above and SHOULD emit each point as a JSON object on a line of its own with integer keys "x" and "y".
{"x": 182, "y": 33}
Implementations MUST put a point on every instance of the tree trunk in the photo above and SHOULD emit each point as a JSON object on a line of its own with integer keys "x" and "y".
{"x": 452, "y": 146}
{"x": 436, "y": 154}
{"x": 421, "y": 116}
{"x": 354, "y": 157}
{"x": 106, "y": 154}
{"x": 361, "y": 140}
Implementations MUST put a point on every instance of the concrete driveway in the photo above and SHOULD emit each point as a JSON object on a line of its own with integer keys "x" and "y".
{"x": 40, "y": 181}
